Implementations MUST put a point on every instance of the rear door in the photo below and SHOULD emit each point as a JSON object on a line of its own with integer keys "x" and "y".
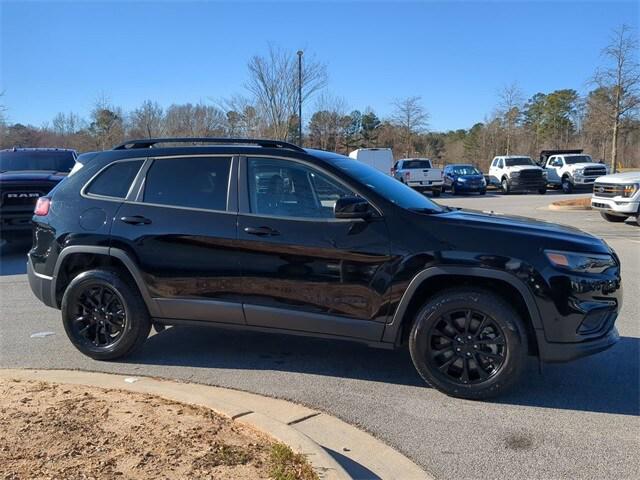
{"x": 302, "y": 268}
{"x": 181, "y": 230}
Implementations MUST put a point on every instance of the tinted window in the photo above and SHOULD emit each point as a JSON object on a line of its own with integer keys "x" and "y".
{"x": 417, "y": 164}
{"x": 511, "y": 162}
{"x": 578, "y": 159}
{"x": 115, "y": 180}
{"x": 50, "y": 160}
{"x": 290, "y": 189}
{"x": 466, "y": 170}
{"x": 198, "y": 182}
{"x": 385, "y": 185}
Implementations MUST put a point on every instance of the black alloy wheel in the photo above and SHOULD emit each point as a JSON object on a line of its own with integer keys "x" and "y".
{"x": 467, "y": 346}
{"x": 99, "y": 317}
{"x": 468, "y": 343}
{"x": 104, "y": 315}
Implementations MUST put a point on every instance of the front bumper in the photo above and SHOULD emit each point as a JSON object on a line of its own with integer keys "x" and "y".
{"x": 566, "y": 352}
{"x": 528, "y": 184}
{"x": 583, "y": 181}
{"x": 627, "y": 206}
{"x": 470, "y": 187}
{"x": 41, "y": 286}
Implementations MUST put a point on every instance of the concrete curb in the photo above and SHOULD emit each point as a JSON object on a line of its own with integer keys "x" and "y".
{"x": 322, "y": 438}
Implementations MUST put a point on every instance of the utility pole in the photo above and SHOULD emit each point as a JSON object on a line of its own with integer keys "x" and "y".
{"x": 300, "y": 53}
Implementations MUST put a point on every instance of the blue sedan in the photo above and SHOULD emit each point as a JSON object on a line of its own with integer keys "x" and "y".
{"x": 461, "y": 178}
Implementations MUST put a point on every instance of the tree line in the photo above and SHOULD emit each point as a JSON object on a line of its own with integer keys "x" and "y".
{"x": 605, "y": 121}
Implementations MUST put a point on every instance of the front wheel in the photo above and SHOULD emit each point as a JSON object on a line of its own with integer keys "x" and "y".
{"x": 567, "y": 186}
{"x": 613, "y": 218}
{"x": 542, "y": 191}
{"x": 483, "y": 192}
{"x": 468, "y": 343}
{"x": 103, "y": 314}
{"x": 506, "y": 188}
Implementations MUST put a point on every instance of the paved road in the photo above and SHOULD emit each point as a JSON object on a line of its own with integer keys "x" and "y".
{"x": 578, "y": 420}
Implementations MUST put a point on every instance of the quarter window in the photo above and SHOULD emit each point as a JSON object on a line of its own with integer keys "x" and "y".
{"x": 115, "y": 180}
{"x": 195, "y": 182}
{"x": 289, "y": 189}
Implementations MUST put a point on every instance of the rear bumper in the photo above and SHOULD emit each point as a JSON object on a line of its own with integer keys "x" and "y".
{"x": 428, "y": 185}
{"x": 41, "y": 286}
{"x": 566, "y": 352}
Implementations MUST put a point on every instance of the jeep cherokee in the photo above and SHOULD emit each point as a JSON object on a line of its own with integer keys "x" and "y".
{"x": 267, "y": 236}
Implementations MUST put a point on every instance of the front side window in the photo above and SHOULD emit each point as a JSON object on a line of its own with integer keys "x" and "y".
{"x": 193, "y": 182}
{"x": 288, "y": 189}
{"x": 115, "y": 180}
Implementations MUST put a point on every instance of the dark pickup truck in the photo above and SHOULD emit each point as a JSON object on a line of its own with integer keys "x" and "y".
{"x": 25, "y": 175}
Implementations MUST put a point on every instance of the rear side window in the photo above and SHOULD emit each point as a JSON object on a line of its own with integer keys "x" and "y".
{"x": 115, "y": 180}
{"x": 196, "y": 182}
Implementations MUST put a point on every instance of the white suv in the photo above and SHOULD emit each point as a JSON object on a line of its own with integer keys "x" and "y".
{"x": 570, "y": 171}
{"x": 617, "y": 196}
{"x": 517, "y": 172}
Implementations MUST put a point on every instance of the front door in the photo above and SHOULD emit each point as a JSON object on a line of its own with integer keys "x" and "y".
{"x": 302, "y": 268}
{"x": 181, "y": 230}
{"x": 554, "y": 165}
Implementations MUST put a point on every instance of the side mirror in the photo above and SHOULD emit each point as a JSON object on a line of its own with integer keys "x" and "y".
{"x": 352, "y": 207}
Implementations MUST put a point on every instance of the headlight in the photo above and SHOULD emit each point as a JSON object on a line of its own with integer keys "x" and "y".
{"x": 462, "y": 180}
{"x": 515, "y": 174}
{"x": 579, "y": 171}
{"x": 580, "y": 262}
{"x": 629, "y": 190}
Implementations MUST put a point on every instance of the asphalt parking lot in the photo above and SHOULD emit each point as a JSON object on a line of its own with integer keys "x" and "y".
{"x": 572, "y": 420}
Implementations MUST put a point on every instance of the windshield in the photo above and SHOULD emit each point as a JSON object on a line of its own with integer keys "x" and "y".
{"x": 386, "y": 186}
{"x": 512, "y": 162}
{"x": 57, "y": 161}
{"x": 578, "y": 159}
{"x": 466, "y": 170}
{"x": 416, "y": 164}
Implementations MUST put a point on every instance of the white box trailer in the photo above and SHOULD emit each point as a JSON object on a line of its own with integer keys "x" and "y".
{"x": 378, "y": 158}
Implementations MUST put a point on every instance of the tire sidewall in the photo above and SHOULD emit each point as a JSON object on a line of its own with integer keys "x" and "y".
{"x": 504, "y": 316}
{"x": 137, "y": 322}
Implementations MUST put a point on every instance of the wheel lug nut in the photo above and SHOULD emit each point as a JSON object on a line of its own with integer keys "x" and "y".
{"x": 469, "y": 337}
{"x": 468, "y": 354}
{"x": 475, "y": 346}
{"x": 458, "y": 349}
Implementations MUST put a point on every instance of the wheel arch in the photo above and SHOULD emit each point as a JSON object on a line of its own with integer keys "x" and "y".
{"x": 436, "y": 279}
{"x": 75, "y": 259}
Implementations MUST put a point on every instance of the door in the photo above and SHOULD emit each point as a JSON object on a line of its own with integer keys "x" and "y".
{"x": 181, "y": 230}
{"x": 495, "y": 171}
{"x": 303, "y": 269}
{"x": 554, "y": 167}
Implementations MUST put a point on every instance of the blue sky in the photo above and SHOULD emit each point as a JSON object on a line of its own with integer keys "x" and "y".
{"x": 60, "y": 56}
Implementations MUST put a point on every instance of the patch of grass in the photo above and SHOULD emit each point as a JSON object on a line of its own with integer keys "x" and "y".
{"x": 286, "y": 465}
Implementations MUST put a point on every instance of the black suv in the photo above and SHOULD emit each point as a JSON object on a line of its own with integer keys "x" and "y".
{"x": 25, "y": 175}
{"x": 267, "y": 236}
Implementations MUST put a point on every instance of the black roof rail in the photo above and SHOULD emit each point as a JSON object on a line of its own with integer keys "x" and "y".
{"x": 150, "y": 142}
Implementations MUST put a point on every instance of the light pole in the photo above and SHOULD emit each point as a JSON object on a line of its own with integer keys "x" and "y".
{"x": 300, "y": 53}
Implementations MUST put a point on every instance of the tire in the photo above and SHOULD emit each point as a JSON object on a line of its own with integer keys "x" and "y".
{"x": 447, "y": 375}
{"x": 542, "y": 191}
{"x": 567, "y": 186}
{"x": 613, "y": 218}
{"x": 504, "y": 185}
{"x": 111, "y": 292}
{"x": 454, "y": 190}
{"x": 483, "y": 192}
{"x": 435, "y": 193}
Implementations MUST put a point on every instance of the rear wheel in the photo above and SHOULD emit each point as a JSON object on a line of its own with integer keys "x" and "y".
{"x": 542, "y": 191}
{"x": 468, "y": 343}
{"x": 613, "y": 218}
{"x": 454, "y": 190}
{"x": 103, "y": 315}
{"x": 483, "y": 192}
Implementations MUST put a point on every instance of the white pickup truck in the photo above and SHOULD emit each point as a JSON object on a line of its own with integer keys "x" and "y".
{"x": 572, "y": 170}
{"x": 419, "y": 174}
{"x": 617, "y": 196}
{"x": 517, "y": 173}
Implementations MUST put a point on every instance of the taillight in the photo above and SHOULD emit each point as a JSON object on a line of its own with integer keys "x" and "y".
{"x": 42, "y": 206}
{"x": 407, "y": 175}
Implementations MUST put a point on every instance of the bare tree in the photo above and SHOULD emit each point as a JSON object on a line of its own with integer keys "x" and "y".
{"x": 621, "y": 82}
{"x": 147, "y": 120}
{"x": 273, "y": 81}
{"x": 106, "y": 126}
{"x": 510, "y": 110}
{"x": 411, "y": 117}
